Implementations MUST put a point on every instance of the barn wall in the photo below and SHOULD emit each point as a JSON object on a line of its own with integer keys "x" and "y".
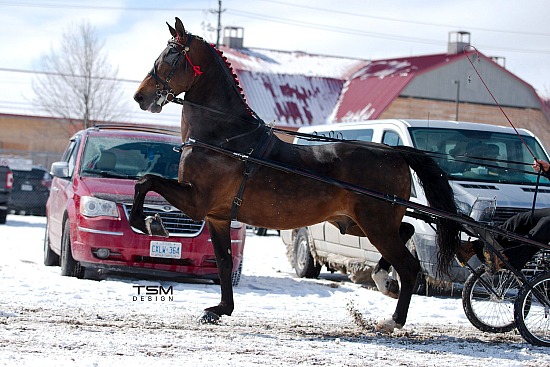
{"x": 527, "y": 118}
{"x": 439, "y": 83}
{"x": 41, "y": 139}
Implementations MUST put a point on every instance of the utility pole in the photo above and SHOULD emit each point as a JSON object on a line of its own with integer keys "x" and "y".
{"x": 457, "y": 99}
{"x": 219, "y": 28}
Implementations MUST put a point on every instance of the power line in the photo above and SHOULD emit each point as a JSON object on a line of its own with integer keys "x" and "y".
{"x": 408, "y": 21}
{"x": 308, "y": 24}
{"x": 95, "y": 7}
{"x": 68, "y": 75}
{"x": 356, "y": 32}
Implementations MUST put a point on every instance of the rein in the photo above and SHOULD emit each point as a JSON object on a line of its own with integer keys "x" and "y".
{"x": 165, "y": 93}
{"x": 511, "y": 124}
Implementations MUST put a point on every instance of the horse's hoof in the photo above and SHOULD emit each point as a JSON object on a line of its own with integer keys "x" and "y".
{"x": 155, "y": 227}
{"x": 387, "y": 326}
{"x": 208, "y": 317}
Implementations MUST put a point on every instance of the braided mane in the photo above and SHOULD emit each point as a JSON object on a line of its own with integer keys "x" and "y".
{"x": 236, "y": 82}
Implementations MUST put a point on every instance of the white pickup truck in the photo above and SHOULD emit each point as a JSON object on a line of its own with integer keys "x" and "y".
{"x": 502, "y": 176}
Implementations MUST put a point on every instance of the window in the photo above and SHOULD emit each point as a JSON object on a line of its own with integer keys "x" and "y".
{"x": 391, "y": 138}
{"x": 357, "y": 134}
{"x": 480, "y": 155}
{"x": 69, "y": 155}
{"x": 122, "y": 157}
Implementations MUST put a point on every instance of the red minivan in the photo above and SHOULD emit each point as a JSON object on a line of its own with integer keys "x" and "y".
{"x": 90, "y": 201}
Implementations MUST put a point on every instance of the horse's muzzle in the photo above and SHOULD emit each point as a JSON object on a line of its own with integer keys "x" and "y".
{"x": 154, "y": 107}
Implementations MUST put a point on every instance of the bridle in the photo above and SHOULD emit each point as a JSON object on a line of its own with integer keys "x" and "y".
{"x": 176, "y": 51}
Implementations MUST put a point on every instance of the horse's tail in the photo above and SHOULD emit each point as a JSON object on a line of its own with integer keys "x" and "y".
{"x": 440, "y": 196}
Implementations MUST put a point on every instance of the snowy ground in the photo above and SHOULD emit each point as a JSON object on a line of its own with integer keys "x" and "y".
{"x": 279, "y": 320}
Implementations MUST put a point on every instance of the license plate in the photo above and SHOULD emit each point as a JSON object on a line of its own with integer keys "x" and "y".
{"x": 25, "y": 187}
{"x": 169, "y": 250}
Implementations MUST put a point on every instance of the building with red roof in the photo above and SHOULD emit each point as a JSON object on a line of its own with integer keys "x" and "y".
{"x": 294, "y": 89}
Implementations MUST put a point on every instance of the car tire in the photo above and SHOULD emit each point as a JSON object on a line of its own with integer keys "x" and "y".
{"x": 421, "y": 283}
{"x": 236, "y": 275}
{"x": 3, "y": 216}
{"x": 50, "y": 257}
{"x": 69, "y": 266}
{"x": 259, "y": 231}
{"x": 304, "y": 263}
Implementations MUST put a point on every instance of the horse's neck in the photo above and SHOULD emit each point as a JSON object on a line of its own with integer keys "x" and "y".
{"x": 215, "y": 108}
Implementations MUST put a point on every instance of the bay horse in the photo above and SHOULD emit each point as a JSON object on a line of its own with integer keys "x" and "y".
{"x": 217, "y": 186}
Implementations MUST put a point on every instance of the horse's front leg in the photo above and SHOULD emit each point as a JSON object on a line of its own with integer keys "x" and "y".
{"x": 137, "y": 216}
{"x": 171, "y": 190}
{"x": 221, "y": 240}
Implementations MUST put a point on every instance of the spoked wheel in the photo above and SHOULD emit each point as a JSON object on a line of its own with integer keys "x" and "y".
{"x": 488, "y": 300}
{"x": 532, "y": 311}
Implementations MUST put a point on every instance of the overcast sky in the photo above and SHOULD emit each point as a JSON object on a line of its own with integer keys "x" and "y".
{"x": 134, "y": 31}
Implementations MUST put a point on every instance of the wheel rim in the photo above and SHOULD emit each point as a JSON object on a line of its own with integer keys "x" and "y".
{"x": 495, "y": 309}
{"x": 302, "y": 253}
{"x": 536, "y": 311}
{"x": 46, "y": 241}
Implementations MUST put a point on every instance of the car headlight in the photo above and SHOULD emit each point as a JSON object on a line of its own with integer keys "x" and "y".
{"x": 483, "y": 210}
{"x": 94, "y": 207}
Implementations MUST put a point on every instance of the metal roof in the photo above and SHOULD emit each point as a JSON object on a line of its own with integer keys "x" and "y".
{"x": 373, "y": 87}
{"x": 291, "y": 88}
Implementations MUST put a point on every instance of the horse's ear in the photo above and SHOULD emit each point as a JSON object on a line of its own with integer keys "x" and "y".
{"x": 179, "y": 27}
{"x": 172, "y": 30}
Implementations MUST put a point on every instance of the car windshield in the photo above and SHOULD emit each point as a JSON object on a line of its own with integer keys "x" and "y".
{"x": 129, "y": 157}
{"x": 484, "y": 156}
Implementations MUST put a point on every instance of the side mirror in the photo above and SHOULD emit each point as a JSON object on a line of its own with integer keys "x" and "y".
{"x": 60, "y": 169}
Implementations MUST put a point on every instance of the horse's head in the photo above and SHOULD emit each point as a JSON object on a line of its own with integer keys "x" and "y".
{"x": 173, "y": 72}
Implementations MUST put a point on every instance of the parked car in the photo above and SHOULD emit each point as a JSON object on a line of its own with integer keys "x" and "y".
{"x": 482, "y": 189}
{"x": 30, "y": 192}
{"x": 91, "y": 199}
{"x": 6, "y": 183}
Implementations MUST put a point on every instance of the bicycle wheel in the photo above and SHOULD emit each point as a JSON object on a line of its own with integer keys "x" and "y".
{"x": 532, "y": 311}
{"x": 488, "y": 300}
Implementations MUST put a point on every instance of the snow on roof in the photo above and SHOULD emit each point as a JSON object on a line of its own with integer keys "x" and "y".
{"x": 291, "y": 88}
{"x": 291, "y": 63}
{"x": 374, "y": 86}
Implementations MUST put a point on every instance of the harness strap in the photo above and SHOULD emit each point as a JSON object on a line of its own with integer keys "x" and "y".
{"x": 249, "y": 169}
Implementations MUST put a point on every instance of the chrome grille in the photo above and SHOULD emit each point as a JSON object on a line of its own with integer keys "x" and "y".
{"x": 177, "y": 223}
{"x": 503, "y": 213}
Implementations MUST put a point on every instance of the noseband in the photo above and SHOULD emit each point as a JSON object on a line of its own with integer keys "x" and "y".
{"x": 173, "y": 57}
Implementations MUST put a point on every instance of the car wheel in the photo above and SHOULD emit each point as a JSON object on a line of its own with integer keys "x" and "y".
{"x": 260, "y": 231}
{"x": 3, "y": 216}
{"x": 421, "y": 283}
{"x": 236, "y": 276}
{"x": 304, "y": 263}
{"x": 50, "y": 257}
{"x": 69, "y": 266}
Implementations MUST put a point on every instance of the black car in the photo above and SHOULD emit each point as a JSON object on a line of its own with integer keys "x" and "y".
{"x": 30, "y": 191}
{"x": 6, "y": 183}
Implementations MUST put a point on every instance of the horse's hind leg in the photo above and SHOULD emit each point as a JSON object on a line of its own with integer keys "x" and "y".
{"x": 221, "y": 240}
{"x": 390, "y": 245}
{"x": 380, "y": 274}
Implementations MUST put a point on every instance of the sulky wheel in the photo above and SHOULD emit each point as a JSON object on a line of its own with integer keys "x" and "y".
{"x": 532, "y": 311}
{"x": 488, "y": 299}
